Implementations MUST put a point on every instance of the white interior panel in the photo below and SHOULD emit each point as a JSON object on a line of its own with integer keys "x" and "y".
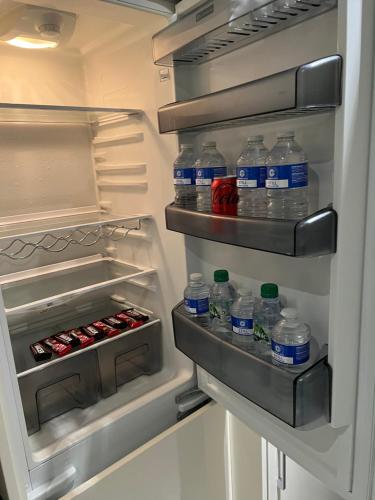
{"x": 184, "y": 463}
{"x": 245, "y": 456}
{"x": 48, "y": 77}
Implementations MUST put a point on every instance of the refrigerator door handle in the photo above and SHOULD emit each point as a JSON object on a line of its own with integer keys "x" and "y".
{"x": 60, "y": 485}
{"x": 281, "y": 470}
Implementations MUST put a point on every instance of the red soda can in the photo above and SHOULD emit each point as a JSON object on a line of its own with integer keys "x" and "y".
{"x": 224, "y": 196}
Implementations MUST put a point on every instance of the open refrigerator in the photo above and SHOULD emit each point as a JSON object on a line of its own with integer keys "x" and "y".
{"x": 89, "y": 133}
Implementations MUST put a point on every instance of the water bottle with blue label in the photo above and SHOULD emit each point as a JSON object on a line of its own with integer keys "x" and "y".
{"x": 266, "y": 314}
{"x": 291, "y": 341}
{"x": 210, "y": 164}
{"x": 196, "y": 296}
{"x": 242, "y": 313}
{"x": 251, "y": 179}
{"x": 184, "y": 178}
{"x": 287, "y": 179}
{"x": 222, "y": 296}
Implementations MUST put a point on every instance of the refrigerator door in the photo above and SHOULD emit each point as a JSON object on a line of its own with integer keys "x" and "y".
{"x": 188, "y": 461}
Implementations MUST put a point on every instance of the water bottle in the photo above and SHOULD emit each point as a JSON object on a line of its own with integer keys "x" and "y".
{"x": 196, "y": 296}
{"x": 184, "y": 178}
{"x": 291, "y": 341}
{"x": 242, "y": 312}
{"x": 287, "y": 179}
{"x": 210, "y": 164}
{"x": 251, "y": 178}
{"x": 221, "y": 300}
{"x": 267, "y": 313}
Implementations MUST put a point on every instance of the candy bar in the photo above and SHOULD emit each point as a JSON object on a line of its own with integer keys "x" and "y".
{"x": 114, "y": 322}
{"x": 131, "y": 322}
{"x": 67, "y": 339}
{"x": 84, "y": 340}
{"x": 133, "y": 313}
{"x": 108, "y": 330}
{"x": 57, "y": 347}
{"x": 39, "y": 352}
{"x": 93, "y": 332}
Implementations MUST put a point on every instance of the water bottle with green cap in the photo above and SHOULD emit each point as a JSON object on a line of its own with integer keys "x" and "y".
{"x": 267, "y": 313}
{"x": 221, "y": 300}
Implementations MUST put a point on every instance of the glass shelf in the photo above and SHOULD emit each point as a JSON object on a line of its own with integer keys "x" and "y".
{"x": 39, "y": 289}
{"x": 41, "y": 226}
{"x": 43, "y": 113}
{"x": 20, "y": 239}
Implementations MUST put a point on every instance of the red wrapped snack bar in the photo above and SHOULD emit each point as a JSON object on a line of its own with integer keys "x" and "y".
{"x": 66, "y": 339}
{"x": 114, "y": 322}
{"x": 108, "y": 330}
{"x": 57, "y": 347}
{"x": 79, "y": 336}
{"x": 40, "y": 352}
{"x": 93, "y": 332}
{"x": 133, "y": 313}
{"x": 131, "y": 323}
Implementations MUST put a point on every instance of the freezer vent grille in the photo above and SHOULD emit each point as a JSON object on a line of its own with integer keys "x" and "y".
{"x": 257, "y": 24}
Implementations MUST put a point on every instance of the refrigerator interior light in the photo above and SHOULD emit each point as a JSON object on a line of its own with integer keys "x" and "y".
{"x": 32, "y": 27}
{"x": 31, "y": 43}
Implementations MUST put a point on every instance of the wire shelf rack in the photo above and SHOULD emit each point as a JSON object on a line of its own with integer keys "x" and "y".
{"x": 21, "y": 248}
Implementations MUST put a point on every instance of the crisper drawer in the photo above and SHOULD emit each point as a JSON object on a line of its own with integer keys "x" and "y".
{"x": 296, "y": 398}
{"x": 58, "y": 388}
{"x": 79, "y": 379}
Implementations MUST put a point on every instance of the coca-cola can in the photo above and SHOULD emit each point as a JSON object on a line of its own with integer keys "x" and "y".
{"x": 224, "y": 196}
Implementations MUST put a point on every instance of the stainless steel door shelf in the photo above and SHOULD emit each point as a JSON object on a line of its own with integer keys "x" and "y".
{"x": 313, "y": 236}
{"x": 299, "y": 399}
{"x": 312, "y": 87}
{"x": 221, "y": 26}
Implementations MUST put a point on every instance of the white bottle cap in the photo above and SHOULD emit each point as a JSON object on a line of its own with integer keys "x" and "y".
{"x": 209, "y": 144}
{"x": 289, "y": 313}
{"x": 195, "y": 277}
{"x": 285, "y": 134}
{"x": 244, "y": 292}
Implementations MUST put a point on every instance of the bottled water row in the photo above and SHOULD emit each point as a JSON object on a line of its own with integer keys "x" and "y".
{"x": 268, "y": 183}
{"x": 261, "y": 324}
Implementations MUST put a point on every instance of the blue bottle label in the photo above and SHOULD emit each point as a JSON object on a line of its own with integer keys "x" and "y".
{"x": 196, "y": 306}
{"x": 204, "y": 176}
{"x": 290, "y": 354}
{"x": 251, "y": 177}
{"x": 184, "y": 176}
{"x": 242, "y": 326}
{"x": 287, "y": 176}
